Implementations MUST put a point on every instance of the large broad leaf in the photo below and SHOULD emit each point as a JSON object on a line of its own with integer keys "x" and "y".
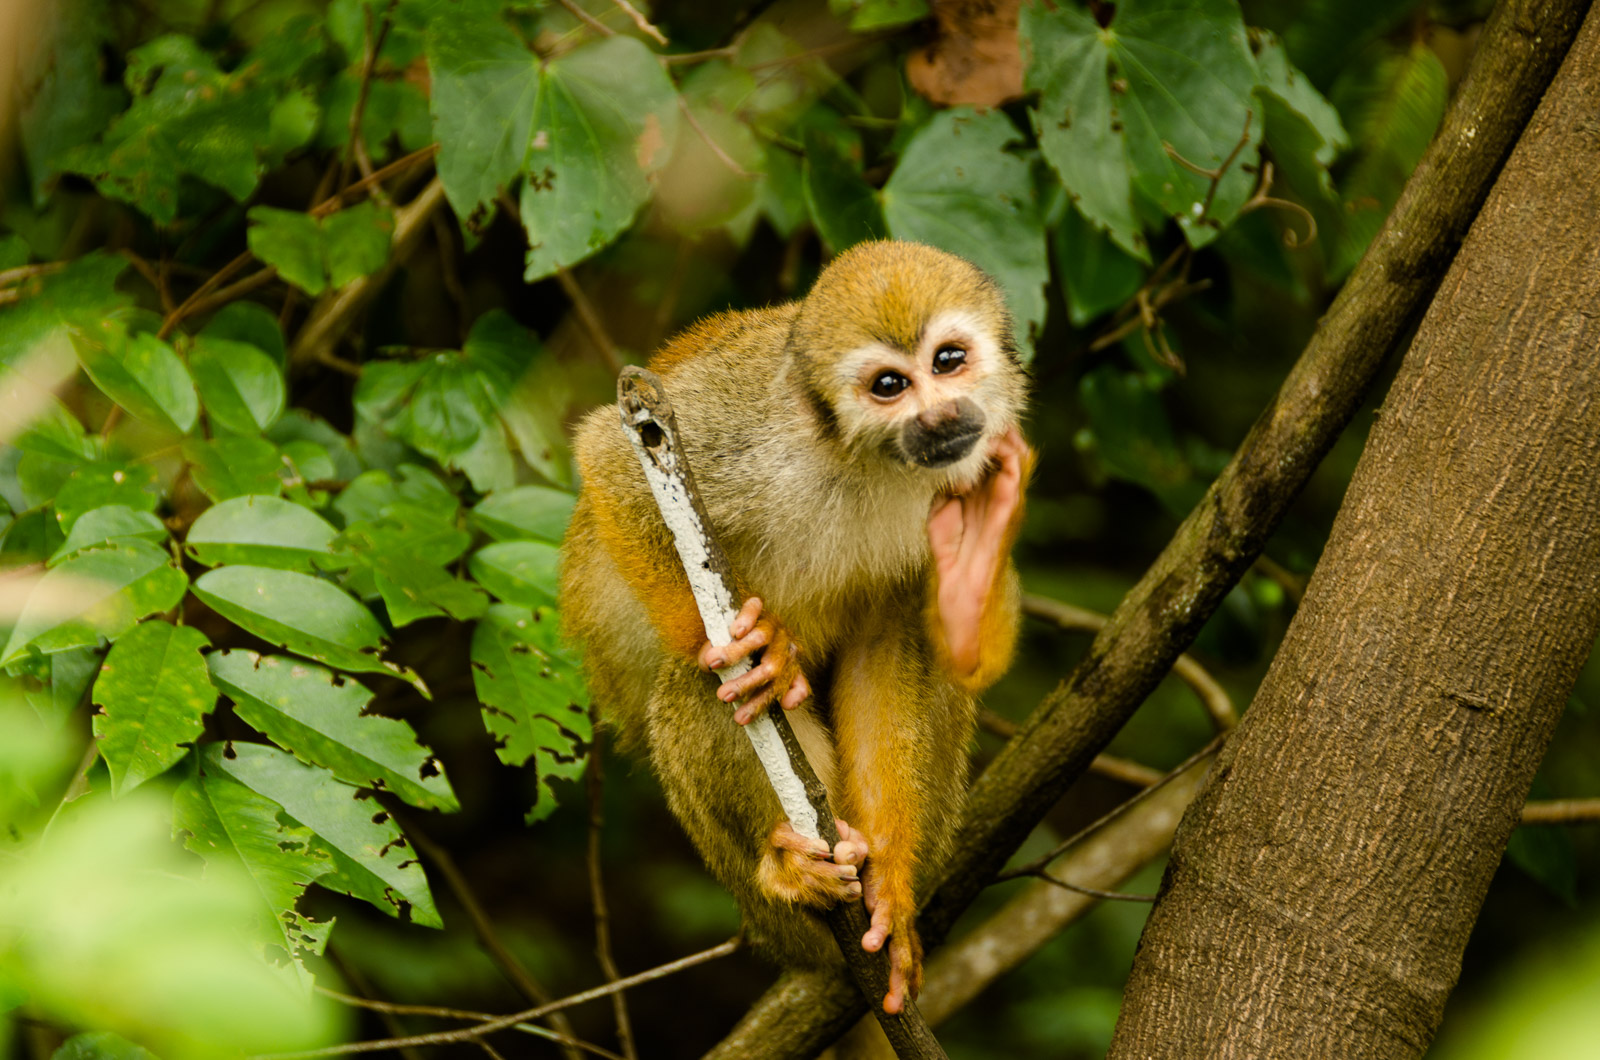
{"x": 1096, "y": 276}
{"x": 534, "y": 700}
{"x": 306, "y": 615}
{"x": 99, "y": 593}
{"x": 583, "y": 131}
{"x": 241, "y": 386}
{"x": 228, "y": 823}
{"x": 957, "y": 188}
{"x": 1164, "y": 76}
{"x": 141, "y": 373}
{"x": 372, "y": 860}
{"x": 322, "y": 718}
{"x": 841, "y": 202}
{"x": 518, "y": 572}
{"x": 527, "y": 513}
{"x": 153, "y": 695}
{"x": 260, "y": 531}
{"x": 97, "y": 485}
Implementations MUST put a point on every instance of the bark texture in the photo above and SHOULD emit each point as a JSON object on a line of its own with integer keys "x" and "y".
{"x": 1521, "y": 47}
{"x": 1323, "y": 884}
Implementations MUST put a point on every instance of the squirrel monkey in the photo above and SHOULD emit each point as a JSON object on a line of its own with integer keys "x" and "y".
{"x": 859, "y": 456}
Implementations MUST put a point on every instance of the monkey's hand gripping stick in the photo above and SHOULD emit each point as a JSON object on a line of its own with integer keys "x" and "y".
{"x": 649, "y": 423}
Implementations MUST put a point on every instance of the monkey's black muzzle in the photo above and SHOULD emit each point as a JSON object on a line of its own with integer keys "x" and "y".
{"x": 942, "y": 435}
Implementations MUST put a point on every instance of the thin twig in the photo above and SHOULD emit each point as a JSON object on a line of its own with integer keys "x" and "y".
{"x": 1562, "y": 811}
{"x": 1095, "y": 892}
{"x": 699, "y": 57}
{"x": 467, "y": 1034}
{"x": 484, "y": 928}
{"x": 1126, "y": 770}
{"x": 1260, "y": 199}
{"x": 335, "y": 202}
{"x": 716, "y": 148}
{"x": 391, "y": 1020}
{"x": 217, "y": 279}
{"x": 355, "y": 147}
{"x": 234, "y": 291}
{"x": 27, "y": 272}
{"x": 590, "y": 319}
{"x": 151, "y": 276}
{"x": 1037, "y": 866}
{"x": 587, "y": 19}
{"x": 1213, "y": 697}
{"x": 643, "y": 23}
{"x": 597, "y": 892}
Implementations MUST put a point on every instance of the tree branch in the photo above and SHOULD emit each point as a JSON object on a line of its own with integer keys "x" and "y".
{"x": 1228, "y": 529}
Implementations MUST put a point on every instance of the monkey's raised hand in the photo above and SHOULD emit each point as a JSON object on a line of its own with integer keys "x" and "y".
{"x": 971, "y": 535}
{"x": 777, "y": 673}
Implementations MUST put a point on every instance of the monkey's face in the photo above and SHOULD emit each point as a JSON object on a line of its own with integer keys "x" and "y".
{"x": 907, "y": 356}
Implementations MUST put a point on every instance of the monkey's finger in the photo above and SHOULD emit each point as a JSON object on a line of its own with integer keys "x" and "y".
{"x": 901, "y": 974}
{"x": 745, "y": 620}
{"x": 882, "y": 926}
{"x": 799, "y": 692}
{"x": 758, "y": 675}
{"x": 784, "y": 837}
{"x": 852, "y": 846}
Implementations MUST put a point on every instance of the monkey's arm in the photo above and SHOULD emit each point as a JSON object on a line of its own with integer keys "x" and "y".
{"x": 973, "y": 609}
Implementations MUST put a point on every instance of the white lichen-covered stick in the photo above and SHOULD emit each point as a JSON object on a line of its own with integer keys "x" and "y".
{"x": 648, "y": 421}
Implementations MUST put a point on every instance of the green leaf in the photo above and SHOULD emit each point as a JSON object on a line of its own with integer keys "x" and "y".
{"x": 234, "y": 466}
{"x": 54, "y": 685}
{"x": 518, "y": 572}
{"x": 704, "y": 186}
{"x": 1096, "y": 276}
{"x": 249, "y": 322}
{"x": 261, "y": 532}
{"x": 33, "y": 537}
{"x": 407, "y": 556}
{"x": 229, "y": 824}
{"x": 415, "y": 497}
{"x": 113, "y": 523}
{"x": 583, "y": 131}
{"x": 142, "y": 374}
{"x": 154, "y": 694}
{"x": 101, "y": 1045}
{"x": 97, "y": 485}
{"x": 957, "y": 188}
{"x": 868, "y": 15}
{"x": 316, "y": 255}
{"x": 1164, "y": 73}
{"x": 322, "y": 718}
{"x": 99, "y": 593}
{"x": 534, "y": 700}
{"x": 241, "y": 387}
{"x": 305, "y": 615}
{"x": 1134, "y": 438}
{"x": 843, "y": 205}
{"x": 1303, "y": 131}
{"x": 188, "y": 118}
{"x": 67, "y": 102}
{"x": 526, "y": 513}
{"x": 1393, "y": 107}
{"x": 372, "y": 860}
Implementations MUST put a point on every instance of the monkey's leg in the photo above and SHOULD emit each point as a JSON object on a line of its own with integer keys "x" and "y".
{"x": 902, "y": 730}
{"x": 717, "y": 789}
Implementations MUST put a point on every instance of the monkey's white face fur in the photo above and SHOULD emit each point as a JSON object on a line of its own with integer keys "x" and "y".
{"x": 937, "y": 408}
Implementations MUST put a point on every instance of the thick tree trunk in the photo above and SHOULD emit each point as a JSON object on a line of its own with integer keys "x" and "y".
{"x": 1323, "y": 884}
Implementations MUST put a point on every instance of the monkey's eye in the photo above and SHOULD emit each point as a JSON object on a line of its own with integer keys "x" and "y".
{"x": 889, "y": 385}
{"x": 948, "y": 359}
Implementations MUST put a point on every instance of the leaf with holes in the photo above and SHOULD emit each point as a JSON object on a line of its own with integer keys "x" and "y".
{"x": 153, "y": 695}
{"x": 1119, "y": 105}
{"x": 306, "y": 615}
{"x": 227, "y": 823}
{"x": 371, "y": 859}
{"x": 584, "y": 131}
{"x": 112, "y": 523}
{"x": 241, "y": 387}
{"x": 533, "y": 696}
{"x": 99, "y": 593}
{"x": 261, "y": 532}
{"x": 321, "y": 717}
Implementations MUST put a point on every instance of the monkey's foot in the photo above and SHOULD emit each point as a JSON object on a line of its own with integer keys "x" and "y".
{"x": 805, "y": 872}
{"x": 894, "y": 914}
{"x": 776, "y": 674}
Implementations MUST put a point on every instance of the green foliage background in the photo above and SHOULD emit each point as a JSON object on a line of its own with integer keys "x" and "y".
{"x": 297, "y": 301}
